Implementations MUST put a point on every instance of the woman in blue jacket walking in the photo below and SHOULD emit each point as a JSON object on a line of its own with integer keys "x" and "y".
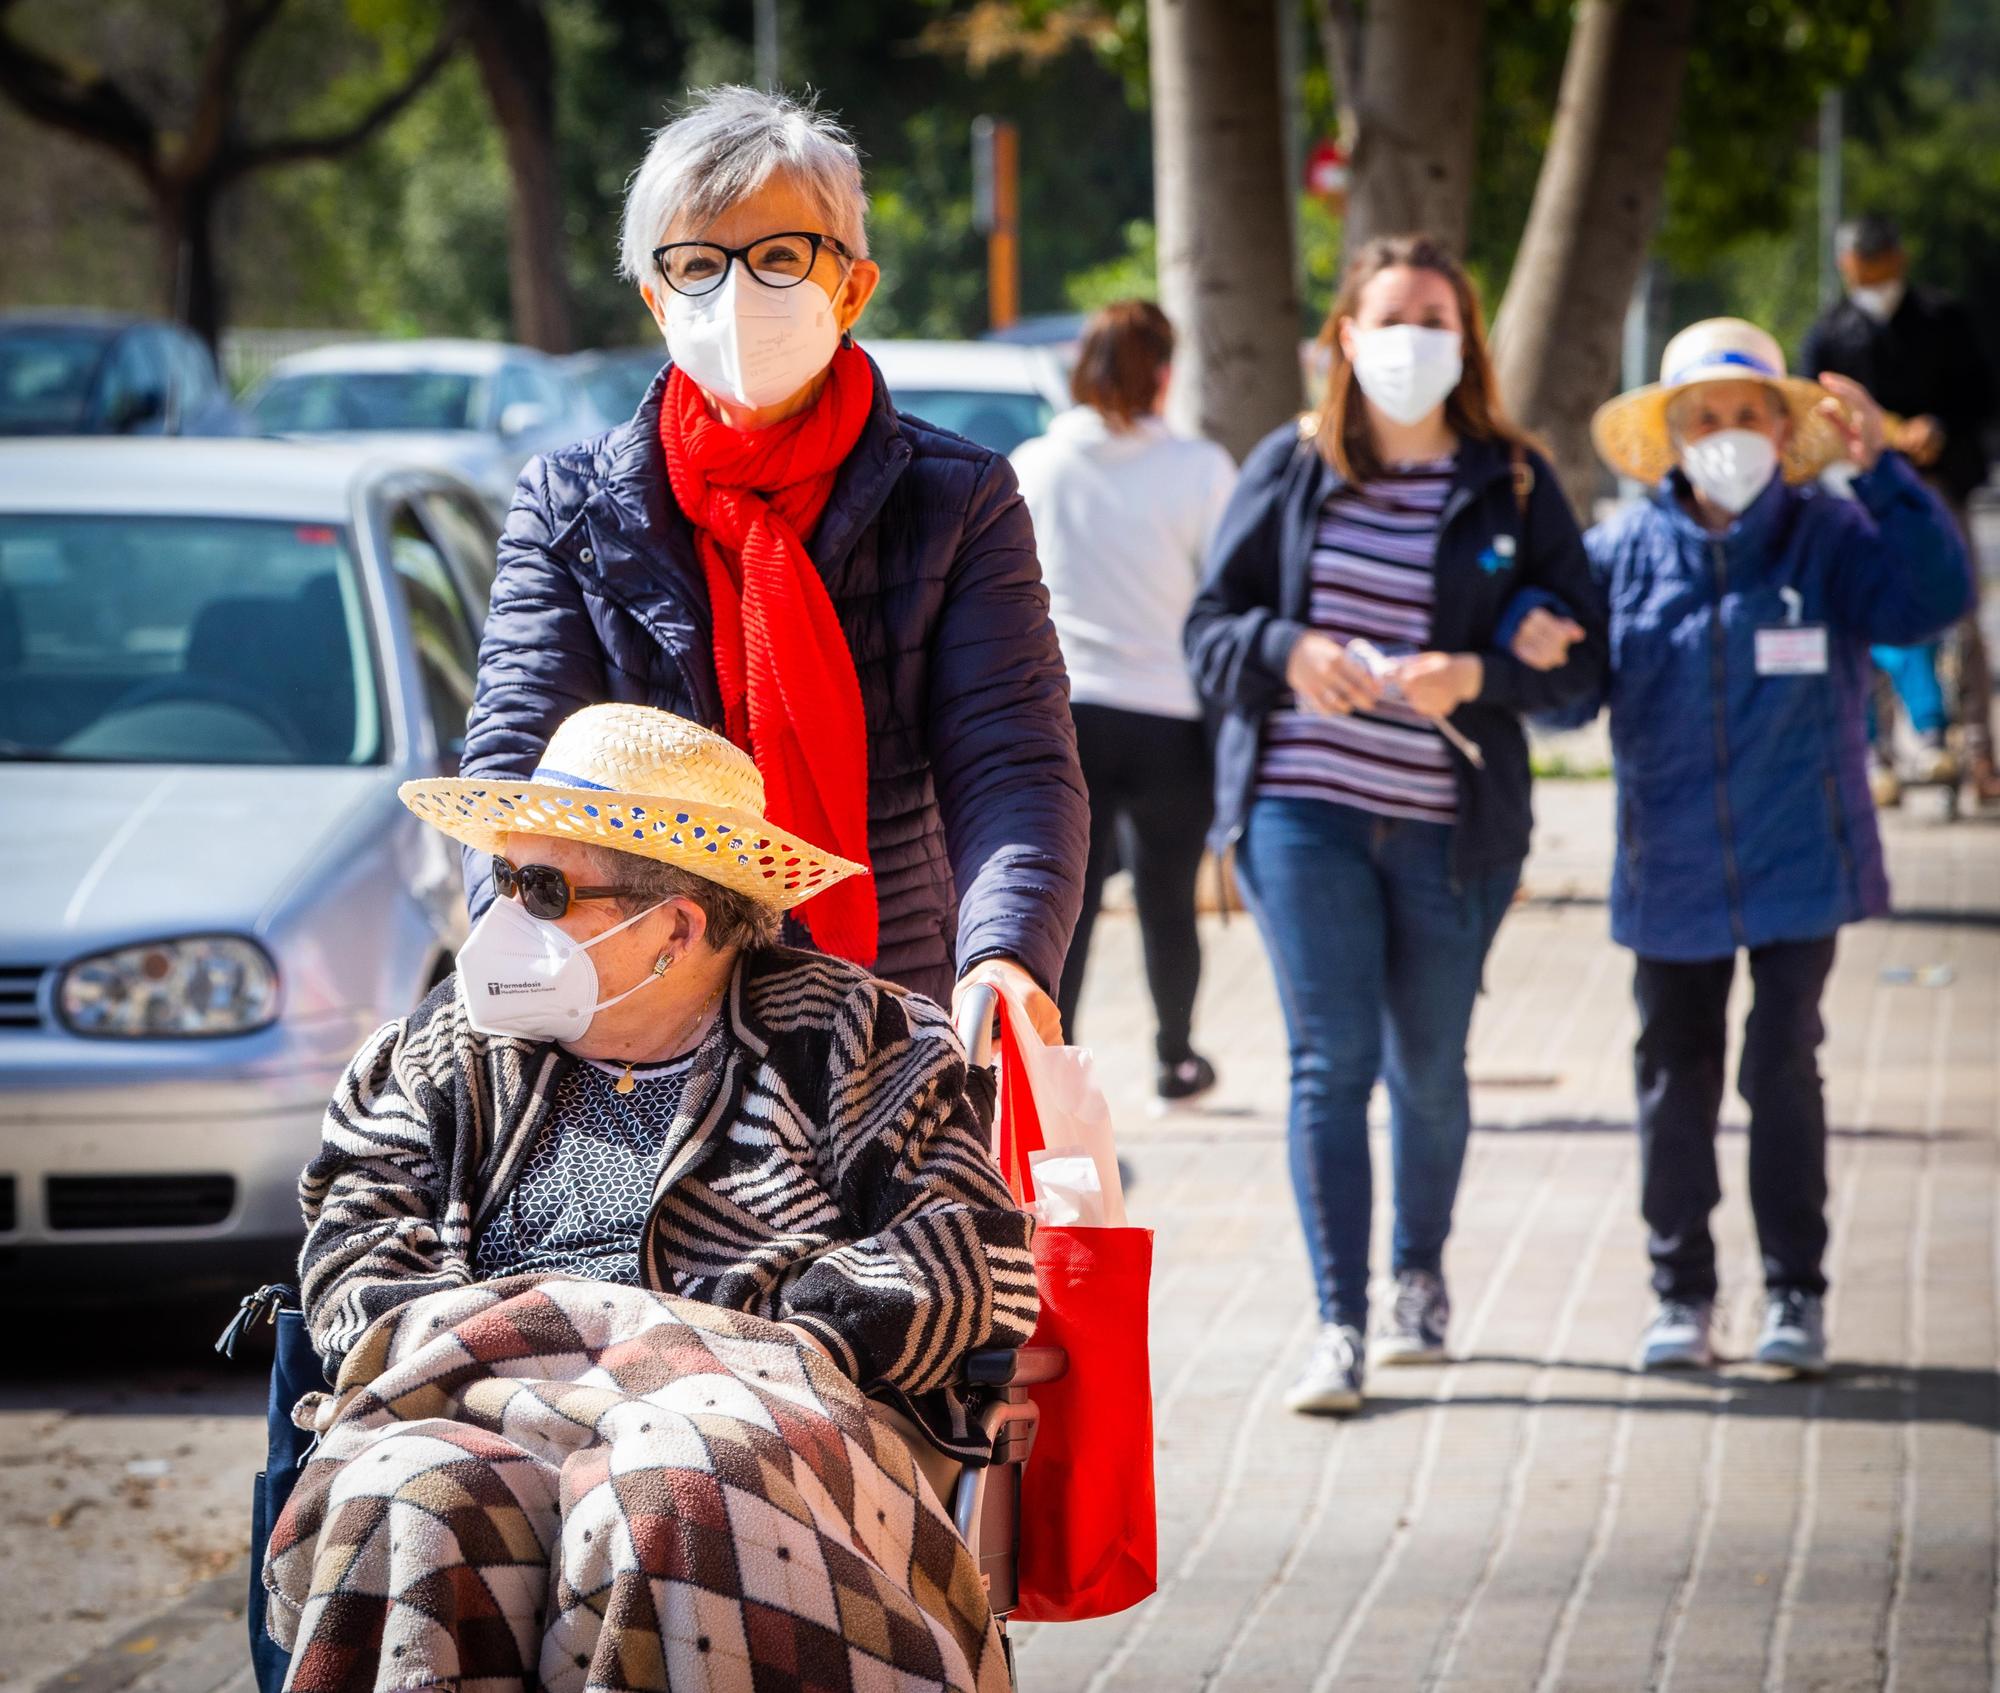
{"x": 1370, "y": 766}
{"x": 1742, "y": 608}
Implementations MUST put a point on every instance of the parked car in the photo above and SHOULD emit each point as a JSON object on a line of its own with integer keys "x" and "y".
{"x": 481, "y": 409}
{"x": 217, "y": 662}
{"x": 613, "y": 380}
{"x": 992, "y": 392}
{"x": 101, "y": 373}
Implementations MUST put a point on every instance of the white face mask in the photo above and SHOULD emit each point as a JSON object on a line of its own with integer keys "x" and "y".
{"x": 1406, "y": 371}
{"x": 1731, "y": 467}
{"x": 1879, "y": 302}
{"x": 525, "y": 978}
{"x": 749, "y": 342}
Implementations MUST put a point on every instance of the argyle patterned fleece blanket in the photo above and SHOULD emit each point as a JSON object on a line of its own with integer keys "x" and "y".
{"x": 546, "y": 1483}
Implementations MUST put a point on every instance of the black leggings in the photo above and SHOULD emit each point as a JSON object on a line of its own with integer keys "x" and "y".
{"x": 1150, "y": 803}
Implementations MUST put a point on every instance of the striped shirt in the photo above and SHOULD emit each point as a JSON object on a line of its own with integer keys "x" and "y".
{"x": 1372, "y": 578}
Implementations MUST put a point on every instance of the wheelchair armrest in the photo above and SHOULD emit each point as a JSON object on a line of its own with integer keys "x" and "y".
{"x": 1025, "y": 1366}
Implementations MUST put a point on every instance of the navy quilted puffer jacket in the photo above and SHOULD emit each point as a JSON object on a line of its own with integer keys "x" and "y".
{"x": 977, "y": 820}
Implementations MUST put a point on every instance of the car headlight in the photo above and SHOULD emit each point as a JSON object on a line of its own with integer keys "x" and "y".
{"x": 202, "y": 985}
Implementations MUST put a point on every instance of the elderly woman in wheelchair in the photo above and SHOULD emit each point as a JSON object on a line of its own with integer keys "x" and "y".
{"x": 643, "y": 1259}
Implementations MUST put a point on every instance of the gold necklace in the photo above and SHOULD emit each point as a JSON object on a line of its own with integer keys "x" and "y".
{"x": 625, "y": 1083}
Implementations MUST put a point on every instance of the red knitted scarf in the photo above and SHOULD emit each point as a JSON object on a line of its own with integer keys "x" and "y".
{"x": 790, "y": 695}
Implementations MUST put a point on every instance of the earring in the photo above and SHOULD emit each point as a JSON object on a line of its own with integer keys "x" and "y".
{"x": 663, "y": 963}
{"x": 847, "y": 337}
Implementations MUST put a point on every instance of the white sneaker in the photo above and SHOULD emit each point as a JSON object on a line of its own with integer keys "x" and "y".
{"x": 1415, "y": 1329}
{"x": 1331, "y": 1381}
{"x": 1794, "y": 1336}
{"x": 1680, "y": 1336}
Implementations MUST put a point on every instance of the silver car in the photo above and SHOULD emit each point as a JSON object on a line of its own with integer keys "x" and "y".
{"x": 481, "y": 409}
{"x": 217, "y": 662}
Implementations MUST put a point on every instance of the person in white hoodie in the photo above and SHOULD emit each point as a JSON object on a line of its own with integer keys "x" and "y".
{"x": 1123, "y": 511}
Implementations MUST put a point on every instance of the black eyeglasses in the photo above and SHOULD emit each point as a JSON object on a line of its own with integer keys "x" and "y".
{"x": 778, "y": 261}
{"x": 543, "y": 890}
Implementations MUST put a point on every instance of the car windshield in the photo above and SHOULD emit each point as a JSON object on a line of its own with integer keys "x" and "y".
{"x": 45, "y": 377}
{"x": 615, "y": 386}
{"x": 312, "y": 403}
{"x": 1001, "y": 421}
{"x": 183, "y": 640}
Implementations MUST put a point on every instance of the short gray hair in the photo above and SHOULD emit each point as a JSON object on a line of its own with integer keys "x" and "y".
{"x": 734, "y": 919}
{"x": 726, "y": 143}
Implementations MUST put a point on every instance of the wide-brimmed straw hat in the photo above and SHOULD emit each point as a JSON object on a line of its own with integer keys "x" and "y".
{"x": 645, "y": 782}
{"x": 1631, "y": 433}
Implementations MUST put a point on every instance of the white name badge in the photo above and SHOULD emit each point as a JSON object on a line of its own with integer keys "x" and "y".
{"x": 1792, "y": 649}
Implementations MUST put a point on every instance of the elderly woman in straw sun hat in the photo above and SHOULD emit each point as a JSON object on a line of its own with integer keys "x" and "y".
{"x": 640, "y": 1257}
{"x": 1743, "y": 601}
{"x": 771, "y": 548}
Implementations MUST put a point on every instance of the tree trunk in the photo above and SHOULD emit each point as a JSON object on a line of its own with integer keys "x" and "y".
{"x": 1557, "y": 338}
{"x": 186, "y": 212}
{"x": 510, "y": 41}
{"x": 1221, "y": 204}
{"x": 1416, "y": 121}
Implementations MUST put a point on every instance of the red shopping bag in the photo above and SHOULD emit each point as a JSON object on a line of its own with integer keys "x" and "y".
{"x": 1088, "y": 1538}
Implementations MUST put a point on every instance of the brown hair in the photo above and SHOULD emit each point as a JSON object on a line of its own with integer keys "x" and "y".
{"x": 1123, "y": 349}
{"x": 1340, "y": 428}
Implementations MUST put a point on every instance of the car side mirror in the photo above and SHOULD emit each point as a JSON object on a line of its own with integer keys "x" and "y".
{"x": 148, "y": 405}
{"x": 522, "y": 416}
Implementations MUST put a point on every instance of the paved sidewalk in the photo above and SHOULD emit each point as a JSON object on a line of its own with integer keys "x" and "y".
{"x": 1535, "y": 1516}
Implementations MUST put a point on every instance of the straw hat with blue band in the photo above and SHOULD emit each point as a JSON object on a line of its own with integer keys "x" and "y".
{"x": 1631, "y": 431}
{"x": 645, "y": 782}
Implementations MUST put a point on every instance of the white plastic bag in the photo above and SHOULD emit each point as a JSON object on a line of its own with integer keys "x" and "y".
{"x": 1075, "y": 1116}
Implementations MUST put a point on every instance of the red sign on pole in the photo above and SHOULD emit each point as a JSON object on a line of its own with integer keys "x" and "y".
{"x": 1326, "y": 173}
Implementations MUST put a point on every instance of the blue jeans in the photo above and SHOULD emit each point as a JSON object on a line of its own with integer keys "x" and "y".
{"x": 1913, "y": 673}
{"x": 1378, "y": 956}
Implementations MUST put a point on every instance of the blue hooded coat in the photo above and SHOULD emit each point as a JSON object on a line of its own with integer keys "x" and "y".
{"x": 1744, "y": 815}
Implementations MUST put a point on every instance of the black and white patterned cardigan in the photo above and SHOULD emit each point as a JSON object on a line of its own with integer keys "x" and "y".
{"x": 828, "y": 1167}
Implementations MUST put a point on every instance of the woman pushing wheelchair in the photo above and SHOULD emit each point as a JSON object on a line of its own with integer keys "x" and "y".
{"x": 639, "y": 1256}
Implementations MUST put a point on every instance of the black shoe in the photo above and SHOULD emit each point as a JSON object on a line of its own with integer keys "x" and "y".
{"x": 1177, "y": 1084}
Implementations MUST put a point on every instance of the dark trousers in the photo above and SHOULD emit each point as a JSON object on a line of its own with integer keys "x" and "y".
{"x": 1683, "y": 1032}
{"x": 1150, "y": 802}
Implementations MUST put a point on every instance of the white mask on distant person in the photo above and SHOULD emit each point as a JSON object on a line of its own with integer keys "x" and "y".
{"x": 1731, "y": 467}
{"x": 1879, "y": 302}
{"x": 524, "y": 978}
{"x": 1408, "y": 372}
{"x": 749, "y": 342}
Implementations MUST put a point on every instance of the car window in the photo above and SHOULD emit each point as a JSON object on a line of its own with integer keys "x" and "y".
{"x": 183, "y": 640}
{"x": 1001, "y": 421}
{"x": 462, "y": 528}
{"x": 195, "y": 373}
{"x": 134, "y": 393}
{"x": 528, "y": 384}
{"x": 615, "y": 385}
{"x": 319, "y": 401}
{"x": 441, "y": 628}
{"x": 45, "y": 379}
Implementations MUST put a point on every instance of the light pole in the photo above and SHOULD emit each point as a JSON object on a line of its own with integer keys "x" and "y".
{"x": 1830, "y": 191}
{"x": 765, "y": 28}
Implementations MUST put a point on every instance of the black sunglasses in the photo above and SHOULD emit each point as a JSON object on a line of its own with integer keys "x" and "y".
{"x": 778, "y": 261}
{"x": 543, "y": 890}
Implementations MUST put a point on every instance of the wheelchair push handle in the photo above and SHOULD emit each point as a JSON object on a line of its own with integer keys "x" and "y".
{"x": 975, "y": 1022}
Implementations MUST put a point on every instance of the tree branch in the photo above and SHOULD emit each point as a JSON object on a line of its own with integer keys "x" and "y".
{"x": 84, "y": 103}
{"x": 296, "y": 149}
{"x": 215, "y": 98}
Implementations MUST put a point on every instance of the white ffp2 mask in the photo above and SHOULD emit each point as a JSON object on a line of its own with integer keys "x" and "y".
{"x": 1731, "y": 467}
{"x": 525, "y": 978}
{"x": 749, "y": 342}
{"x": 1880, "y": 301}
{"x": 1407, "y": 371}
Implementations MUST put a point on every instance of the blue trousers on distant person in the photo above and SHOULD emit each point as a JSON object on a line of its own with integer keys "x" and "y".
{"x": 1378, "y": 954}
{"x": 1912, "y": 671}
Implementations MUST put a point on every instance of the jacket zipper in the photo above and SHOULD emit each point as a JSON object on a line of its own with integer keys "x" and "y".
{"x": 1838, "y": 820}
{"x": 1719, "y": 689}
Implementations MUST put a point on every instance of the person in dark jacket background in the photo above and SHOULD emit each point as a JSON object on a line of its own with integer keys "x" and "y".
{"x": 770, "y": 548}
{"x": 1742, "y": 608}
{"x": 1917, "y": 351}
{"x": 1380, "y": 811}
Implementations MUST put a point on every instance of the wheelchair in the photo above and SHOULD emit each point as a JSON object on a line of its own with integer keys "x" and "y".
{"x": 984, "y": 1500}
